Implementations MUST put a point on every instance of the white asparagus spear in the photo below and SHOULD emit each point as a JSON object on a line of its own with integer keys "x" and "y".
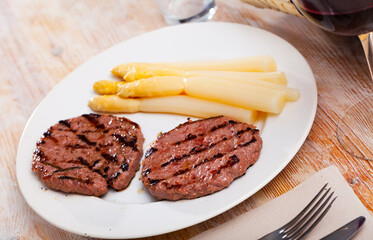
{"x": 152, "y": 87}
{"x": 183, "y": 105}
{"x": 236, "y": 94}
{"x": 137, "y": 73}
{"x": 271, "y": 77}
{"x": 165, "y": 86}
{"x": 262, "y": 63}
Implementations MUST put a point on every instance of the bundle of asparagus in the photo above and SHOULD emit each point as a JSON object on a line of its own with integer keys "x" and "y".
{"x": 237, "y": 88}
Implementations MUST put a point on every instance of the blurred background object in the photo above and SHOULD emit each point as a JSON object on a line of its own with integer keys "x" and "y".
{"x": 184, "y": 11}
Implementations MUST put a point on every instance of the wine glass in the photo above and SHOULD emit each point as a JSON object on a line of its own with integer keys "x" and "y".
{"x": 353, "y": 18}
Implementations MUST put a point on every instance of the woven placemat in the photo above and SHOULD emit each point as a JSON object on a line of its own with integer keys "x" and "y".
{"x": 279, "y": 5}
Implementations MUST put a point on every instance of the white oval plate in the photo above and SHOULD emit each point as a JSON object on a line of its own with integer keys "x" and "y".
{"x": 133, "y": 212}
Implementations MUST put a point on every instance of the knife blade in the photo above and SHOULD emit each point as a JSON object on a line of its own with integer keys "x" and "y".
{"x": 347, "y": 231}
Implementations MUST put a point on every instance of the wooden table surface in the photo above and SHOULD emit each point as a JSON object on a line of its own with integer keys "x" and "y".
{"x": 42, "y": 41}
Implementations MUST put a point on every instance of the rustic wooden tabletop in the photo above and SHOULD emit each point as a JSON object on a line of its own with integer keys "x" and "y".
{"x": 42, "y": 41}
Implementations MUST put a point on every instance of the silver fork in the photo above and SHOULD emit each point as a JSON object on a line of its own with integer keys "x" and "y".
{"x": 306, "y": 220}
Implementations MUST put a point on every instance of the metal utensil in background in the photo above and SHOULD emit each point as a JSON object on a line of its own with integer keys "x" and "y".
{"x": 306, "y": 220}
{"x": 347, "y": 231}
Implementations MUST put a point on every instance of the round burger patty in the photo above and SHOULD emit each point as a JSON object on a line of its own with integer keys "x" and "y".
{"x": 199, "y": 158}
{"x": 86, "y": 154}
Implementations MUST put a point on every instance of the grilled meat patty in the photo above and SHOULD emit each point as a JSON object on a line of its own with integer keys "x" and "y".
{"x": 199, "y": 158}
{"x": 86, "y": 154}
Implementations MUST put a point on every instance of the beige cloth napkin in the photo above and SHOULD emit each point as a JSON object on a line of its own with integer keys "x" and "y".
{"x": 268, "y": 217}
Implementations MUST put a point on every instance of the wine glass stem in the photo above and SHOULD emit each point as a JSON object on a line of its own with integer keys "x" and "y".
{"x": 367, "y": 42}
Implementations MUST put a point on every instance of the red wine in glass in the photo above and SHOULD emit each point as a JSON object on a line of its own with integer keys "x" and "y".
{"x": 345, "y": 17}
{"x": 349, "y": 17}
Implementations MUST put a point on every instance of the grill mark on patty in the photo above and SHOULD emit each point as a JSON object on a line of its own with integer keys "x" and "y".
{"x": 123, "y": 140}
{"x": 195, "y": 151}
{"x": 124, "y": 166}
{"x": 191, "y": 122}
{"x": 76, "y": 146}
{"x": 48, "y": 134}
{"x": 84, "y": 139}
{"x": 93, "y": 119}
{"x": 112, "y": 158}
{"x": 154, "y": 181}
{"x": 84, "y": 162}
{"x": 59, "y": 169}
{"x": 95, "y": 162}
{"x": 150, "y": 152}
{"x": 189, "y": 137}
{"x": 232, "y": 161}
{"x": 65, "y": 123}
{"x": 146, "y": 172}
{"x": 65, "y": 169}
{"x": 51, "y": 164}
{"x": 87, "y": 181}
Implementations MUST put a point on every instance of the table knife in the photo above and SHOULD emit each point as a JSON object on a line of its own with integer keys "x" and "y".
{"x": 347, "y": 231}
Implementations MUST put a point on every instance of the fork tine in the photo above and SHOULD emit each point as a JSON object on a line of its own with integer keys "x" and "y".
{"x": 304, "y": 210}
{"x": 305, "y": 229}
{"x": 291, "y": 229}
{"x": 317, "y": 220}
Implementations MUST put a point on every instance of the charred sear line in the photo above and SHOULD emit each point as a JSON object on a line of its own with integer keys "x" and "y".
{"x": 195, "y": 151}
{"x": 154, "y": 181}
{"x": 95, "y": 162}
{"x": 115, "y": 176}
{"x": 47, "y": 133}
{"x": 87, "y": 181}
{"x": 65, "y": 123}
{"x": 66, "y": 169}
{"x": 93, "y": 119}
{"x": 168, "y": 186}
{"x": 77, "y": 146}
{"x": 124, "y": 166}
{"x": 84, "y": 162}
{"x": 51, "y": 164}
{"x": 146, "y": 172}
{"x": 84, "y": 139}
{"x": 110, "y": 157}
{"x": 122, "y": 139}
{"x": 91, "y": 116}
{"x": 188, "y": 137}
{"x": 132, "y": 144}
{"x": 223, "y": 125}
{"x": 150, "y": 152}
{"x": 232, "y": 161}
{"x": 216, "y": 156}
{"x": 250, "y": 142}
{"x": 182, "y": 171}
{"x": 175, "y": 159}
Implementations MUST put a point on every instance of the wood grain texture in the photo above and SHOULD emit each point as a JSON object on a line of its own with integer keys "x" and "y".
{"x": 42, "y": 41}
